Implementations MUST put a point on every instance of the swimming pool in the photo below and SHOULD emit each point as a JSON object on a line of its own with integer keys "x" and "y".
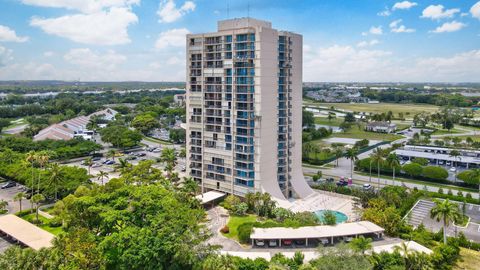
{"x": 341, "y": 217}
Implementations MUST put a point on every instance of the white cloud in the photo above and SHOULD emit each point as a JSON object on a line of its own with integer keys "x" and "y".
{"x": 475, "y": 10}
{"x": 397, "y": 27}
{"x": 452, "y": 26}
{"x": 172, "y": 38}
{"x": 404, "y": 5}
{"x": 5, "y": 56}
{"x": 48, "y": 54}
{"x": 376, "y": 30}
{"x": 168, "y": 11}
{"x": 385, "y": 13}
{"x": 368, "y": 43}
{"x": 345, "y": 63}
{"x": 86, "y": 58}
{"x": 101, "y": 28}
{"x": 84, "y": 6}
{"x": 436, "y": 12}
{"x": 9, "y": 35}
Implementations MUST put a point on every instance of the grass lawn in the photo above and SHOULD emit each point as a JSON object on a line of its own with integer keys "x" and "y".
{"x": 445, "y": 132}
{"x": 359, "y": 133}
{"x": 396, "y": 108}
{"x": 475, "y": 138}
{"x": 234, "y": 222}
{"x": 333, "y": 122}
{"x": 150, "y": 139}
{"x": 469, "y": 260}
{"x": 54, "y": 230}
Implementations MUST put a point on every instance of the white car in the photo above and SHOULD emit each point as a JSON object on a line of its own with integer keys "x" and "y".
{"x": 453, "y": 169}
{"x": 272, "y": 243}
{"x": 367, "y": 187}
{"x": 259, "y": 243}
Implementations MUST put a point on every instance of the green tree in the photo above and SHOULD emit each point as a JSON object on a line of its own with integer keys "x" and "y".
{"x": 445, "y": 211}
{"x": 308, "y": 120}
{"x": 413, "y": 169}
{"x": 393, "y": 162}
{"x": 120, "y": 136}
{"x": 377, "y": 157}
{"x": 361, "y": 244}
{"x": 339, "y": 151}
{"x": 329, "y": 218}
{"x": 56, "y": 178}
{"x": 37, "y": 199}
{"x": 19, "y": 198}
{"x": 145, "y": 123}
{"x": 434, "y": 172}
{"x": 352, "y": 155}
{"x": 4, "y": 123}
{"x": 101, "y": 176}
{"x": 89, "y": 163}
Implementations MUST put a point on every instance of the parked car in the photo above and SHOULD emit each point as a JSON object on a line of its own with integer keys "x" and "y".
{"x": 347, "y": 239}
{"x": 109, "y": 162}
{"x": 131, "y": 158}
{"x": 96, "y": 165}
{"x": 157, "y": 150}
{"x": 449, "y": 163}
{"x": 287, "y": 242}
{"x": 367, "y": 187}
{"x": 453, "y": 169}
{"x": 441, "y": 162}
{"x": 9, "y": 185}
{"x": 299, "y": 242}
{"x": 342, "y": 183}
{"x": 141, "y": 154}
{"x": 324, "y": 241}
{"x": 272, "y": 243}
{"x": 96, "y": 158}
{"x": 259, "y": 243}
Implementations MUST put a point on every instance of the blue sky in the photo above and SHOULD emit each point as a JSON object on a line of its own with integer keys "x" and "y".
{"x": 348, "y": 40}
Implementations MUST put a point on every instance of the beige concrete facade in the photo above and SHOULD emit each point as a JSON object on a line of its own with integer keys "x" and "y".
{"x": 244, "y": 94}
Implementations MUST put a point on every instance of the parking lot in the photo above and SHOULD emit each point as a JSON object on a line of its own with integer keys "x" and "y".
{"x": 109, "y": 165}
{"x": 5, "y": 243}
{"x": 7, "y": 194}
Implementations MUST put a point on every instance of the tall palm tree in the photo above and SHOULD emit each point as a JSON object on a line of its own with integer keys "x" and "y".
{"x": 446, "y": 211}
{"x": 102, "y": 175}
{"x": 455, "y": 154}
{"x": 19, "y": 198}
{"x": 37, "y": 199}
{"x": 393, "y": 162}
{"x": 56, "y": 177}
{"x": 42, "y": 158}
{"x": 89, "y": 163}
{"x": 123, "y": 165}
{"x": 169, "y": 156}
{"x": 377, "y": 157}
{"x": 3, "y": 206}
{"x": 352, "y": 154}
{"x": 111, "y": 154}
{"x": 31, "y": 158}
{"x": 338, "y": 153}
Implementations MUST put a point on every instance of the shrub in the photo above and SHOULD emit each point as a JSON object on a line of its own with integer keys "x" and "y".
{"x": 55, "y": 222}
{"x": 244, "y": 232}
{"x": 440, "y": 190}
{"x": 230, "y": 202}
{"x": 225, "y": 229}
{"x": 329, "y": 218}
{"x": 420, "y": 161}
{"x": 240, "y": 209}
{"x": 460, "y": 193}
{"x": 413, "y": 169}
{"x": 468, "y": 196}
{"x": 434, "y": 172}
{"x": 450, "y": 192}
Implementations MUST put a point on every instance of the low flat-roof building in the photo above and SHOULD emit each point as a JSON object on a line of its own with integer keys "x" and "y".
{"x": 381, "y": 127}
{"x": 326, "y": 232}
{"x": 25, "y": 232}
{"x": 440, "y": 155}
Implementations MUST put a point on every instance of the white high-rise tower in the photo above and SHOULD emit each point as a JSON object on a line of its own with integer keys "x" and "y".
{"x": 244, "y": 109}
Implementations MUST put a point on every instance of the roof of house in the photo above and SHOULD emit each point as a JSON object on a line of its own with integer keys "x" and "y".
{"x": 107, "y": 111}
{"x": 210, "y": 196}
{"x": 344, "y": 229}
{"x": 381, "y": 124}
{"x": 25, "y": 232}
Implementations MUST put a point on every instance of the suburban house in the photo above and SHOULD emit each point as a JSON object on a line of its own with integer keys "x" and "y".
{"x": 179, "y": 99}
{"x": 75, "y": 127}
{"x": 381, "y": 127}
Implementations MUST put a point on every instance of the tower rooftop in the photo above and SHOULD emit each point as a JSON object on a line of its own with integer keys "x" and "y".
{"x": 237, "y": 23}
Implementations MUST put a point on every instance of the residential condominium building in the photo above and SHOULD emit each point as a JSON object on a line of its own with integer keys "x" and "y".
{"x": 244, "y": 109}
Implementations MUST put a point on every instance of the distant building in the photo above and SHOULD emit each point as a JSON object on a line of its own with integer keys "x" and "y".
{"x": 179, "y": 99}
{"x": 381, "y": 127}
{"x": 75, "y": 127}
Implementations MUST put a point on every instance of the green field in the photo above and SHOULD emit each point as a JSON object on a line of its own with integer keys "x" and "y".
{"x": 234, "y": 222}
{"x": 54, "y": 230}
{"x": 324, "y": 121}
{"x": 359, "y": 133}
{"x": 396, "y": 108}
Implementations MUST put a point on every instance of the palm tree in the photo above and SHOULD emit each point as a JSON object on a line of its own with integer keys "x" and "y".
{"x": 55, "y": 178}
{"x": 455, "y": 154}
{"x": 361, "y": 244}
{"x": 393, "y": 162}
{"x": 31, "y": 158}
{"x": 338, "y": 153}
{"x": 447, "y": 211}
{"x": 170, "y": 157}
{"x": 101, "y": 175}
{"x": 352, "y": 155}
{"x": 377, "y": 156}
{"x": 89, "y": 163}
{"x": 111, "y": 154}
{"x": 18, "y": 198}
{"x": 123, "y": 165}
{"x": 3, "y": 206}
{"x": 42, "y": 158}
{"x": 37, "y": 199}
